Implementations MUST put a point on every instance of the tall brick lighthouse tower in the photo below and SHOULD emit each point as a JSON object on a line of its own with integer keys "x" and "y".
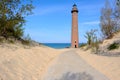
{"x": 74, "y": 34}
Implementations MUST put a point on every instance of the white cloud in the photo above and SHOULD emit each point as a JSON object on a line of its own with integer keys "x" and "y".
{"x": 48, "y": 9}
{"x": 91, "y": 23}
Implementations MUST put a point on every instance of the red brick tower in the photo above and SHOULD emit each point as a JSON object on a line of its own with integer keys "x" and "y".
{"x": 74, "y": 35}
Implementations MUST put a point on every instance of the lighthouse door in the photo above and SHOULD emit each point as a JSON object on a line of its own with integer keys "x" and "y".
{"x": 75, "y": 46}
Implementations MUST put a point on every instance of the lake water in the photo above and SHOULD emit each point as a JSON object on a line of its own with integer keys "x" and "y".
{"x": 58, "y": 45}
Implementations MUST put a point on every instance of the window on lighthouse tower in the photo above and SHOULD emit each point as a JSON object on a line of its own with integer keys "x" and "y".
{"x": 75, "y": 41}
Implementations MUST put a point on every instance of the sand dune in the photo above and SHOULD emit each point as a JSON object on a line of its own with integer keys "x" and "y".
{"x": 24, "y": 63}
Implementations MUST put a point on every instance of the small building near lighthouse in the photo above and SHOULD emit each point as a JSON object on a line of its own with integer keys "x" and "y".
{"x": 74, "y": 31}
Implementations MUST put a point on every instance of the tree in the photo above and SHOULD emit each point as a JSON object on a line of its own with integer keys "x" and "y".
{"x": 106, "y": 21}
{"x": 92, "y": 40}
{"x": 91, "y": 37}
{"x": 117, "y": 15}
{"x": 117, "y": 9}
{"x": 110, "y": 19}
{"x": 12, "y": 17}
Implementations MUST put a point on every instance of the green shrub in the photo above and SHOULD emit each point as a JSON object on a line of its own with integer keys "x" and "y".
{"x": 91, "y": 37}
{"x": 113, "y": 46}
{"x": 26, "y": 40}
{"x": 82, "y": 45}
{"x": 11, "y": 41}
{"x": 92, "y": 40}
{"x": 1, "y": 39}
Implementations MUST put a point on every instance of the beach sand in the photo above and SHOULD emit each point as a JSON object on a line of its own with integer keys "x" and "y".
{"x": 109, "y": 66}
{"x": 20, "y": 63}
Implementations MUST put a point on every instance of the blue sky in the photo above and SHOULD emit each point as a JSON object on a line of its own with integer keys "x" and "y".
{"x": 51, "y": 21}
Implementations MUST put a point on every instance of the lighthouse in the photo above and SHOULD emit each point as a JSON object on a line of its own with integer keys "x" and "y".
{"x": 74, "y": 32}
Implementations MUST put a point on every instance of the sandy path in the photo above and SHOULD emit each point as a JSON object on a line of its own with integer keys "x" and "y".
{"x": 70, "y": 66}
{"x": 18, "y": 63}
{"x": 109, "y": 66}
